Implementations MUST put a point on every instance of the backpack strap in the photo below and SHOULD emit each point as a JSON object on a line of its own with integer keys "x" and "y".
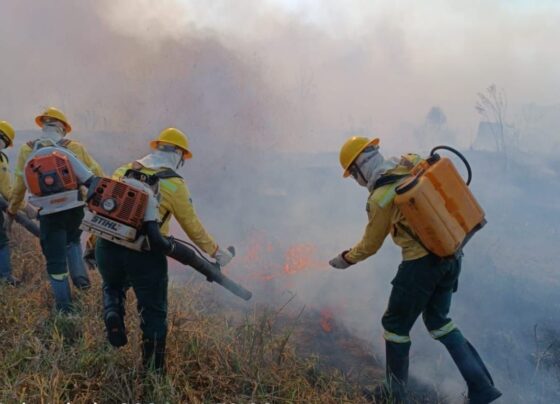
{"x": 64, "y": 142}
{"x": 162, "y": 175}
{"x": 388, "y": 179}
{"x": 167, "y": 173}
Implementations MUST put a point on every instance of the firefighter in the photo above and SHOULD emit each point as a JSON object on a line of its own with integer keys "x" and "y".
{"x": 146, "y": 271}
{"x": 424, "y": 283}
{"x": 60, "y": 232}
{"x": 7, "y": 135}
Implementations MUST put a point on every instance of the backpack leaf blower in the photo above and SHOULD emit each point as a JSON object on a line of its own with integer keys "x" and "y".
{"x": 125, "y": 212}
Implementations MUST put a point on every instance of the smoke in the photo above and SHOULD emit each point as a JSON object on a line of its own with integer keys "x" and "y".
{"x": 268, "y": 90}
{"x": 300, "y": 73}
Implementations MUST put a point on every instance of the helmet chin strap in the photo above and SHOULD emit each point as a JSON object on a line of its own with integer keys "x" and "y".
{"x": 181, "y": 162}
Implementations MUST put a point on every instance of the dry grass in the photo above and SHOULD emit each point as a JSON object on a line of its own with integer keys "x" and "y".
{"x": 212, "y": 356}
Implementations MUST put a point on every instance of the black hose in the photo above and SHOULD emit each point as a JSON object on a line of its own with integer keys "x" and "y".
{"x": 211, "y": 271}
{"x": 458, "y": 154}
{"x": 187, "y": 254}
{"x": 157, "y": 241}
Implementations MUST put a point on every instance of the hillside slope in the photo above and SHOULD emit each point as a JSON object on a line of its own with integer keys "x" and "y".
{"x": 212, "y": 357}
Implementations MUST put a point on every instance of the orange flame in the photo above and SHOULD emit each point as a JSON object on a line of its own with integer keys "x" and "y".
{"x": 298, "y": 258}
{"x": 265, "y": 260}
{"x": 326, "y": 320}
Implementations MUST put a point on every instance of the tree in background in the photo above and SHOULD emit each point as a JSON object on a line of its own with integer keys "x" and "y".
{"x": 492, "y": 107}
{"x": 434, "y": 130}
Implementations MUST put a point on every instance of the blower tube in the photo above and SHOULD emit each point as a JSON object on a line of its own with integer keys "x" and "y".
{"x": 182, "y": 253}
{"x": 30, "y": 225}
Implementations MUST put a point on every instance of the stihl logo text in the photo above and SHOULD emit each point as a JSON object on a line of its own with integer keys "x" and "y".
{"x": 104, "y": 222}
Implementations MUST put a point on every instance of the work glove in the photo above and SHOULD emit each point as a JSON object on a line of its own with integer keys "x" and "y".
{"x": 223, "y": 257}
{"x": 339, "y": 262}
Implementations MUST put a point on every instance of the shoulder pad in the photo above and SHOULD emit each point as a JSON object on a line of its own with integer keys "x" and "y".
{"x": 389, "y": 179}
{"x": 150, "y": 180}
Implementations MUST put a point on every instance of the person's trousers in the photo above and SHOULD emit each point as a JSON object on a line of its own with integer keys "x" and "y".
{"x": 146, "y": 272}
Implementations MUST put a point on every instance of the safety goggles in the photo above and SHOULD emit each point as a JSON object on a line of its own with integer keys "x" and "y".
{"x": 54, "y": 123}
{"x": 48, "y": 120}
{"x": 169, "y": 148}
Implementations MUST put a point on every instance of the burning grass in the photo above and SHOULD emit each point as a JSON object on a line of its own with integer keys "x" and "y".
{"x": 213, "y": 355}
{"x": 217, "y": 352}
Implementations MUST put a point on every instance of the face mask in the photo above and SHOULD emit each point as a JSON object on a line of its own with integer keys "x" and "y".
{"x": 162, "y": 159}
{"x": 53, "y": 131}
{"x": 372, "y": 165}
{"x": 178, "y": 154}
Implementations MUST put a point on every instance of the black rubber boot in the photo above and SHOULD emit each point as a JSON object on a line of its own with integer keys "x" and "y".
{"x": 153, "y": 355}
{"x": 396, "y": 377}
{"x": 113, "y": 315}
{"x": 397, "y": 369}
{"x": 479, "y": 382}
{"x": 62, "y": 294}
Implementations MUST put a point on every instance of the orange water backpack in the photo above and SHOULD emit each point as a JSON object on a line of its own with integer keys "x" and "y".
{"x": 441, "y": 211}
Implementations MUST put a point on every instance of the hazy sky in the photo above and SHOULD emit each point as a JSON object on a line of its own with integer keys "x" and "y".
{"x": 322, "y": 68}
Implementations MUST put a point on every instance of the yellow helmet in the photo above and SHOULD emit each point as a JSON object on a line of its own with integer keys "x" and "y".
{"x": 173, "y": 137}
{"x": 351, "y": 149}
{"x": 8, "y": 130}
{"x": 53, "y": 113}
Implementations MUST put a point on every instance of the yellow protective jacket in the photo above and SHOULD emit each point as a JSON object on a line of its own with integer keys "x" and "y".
{"x": 18, "y": 191}
{"x": 5, "y": 180}
{"x": 384, "y": 218}
{"x": 175, "y": 200}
